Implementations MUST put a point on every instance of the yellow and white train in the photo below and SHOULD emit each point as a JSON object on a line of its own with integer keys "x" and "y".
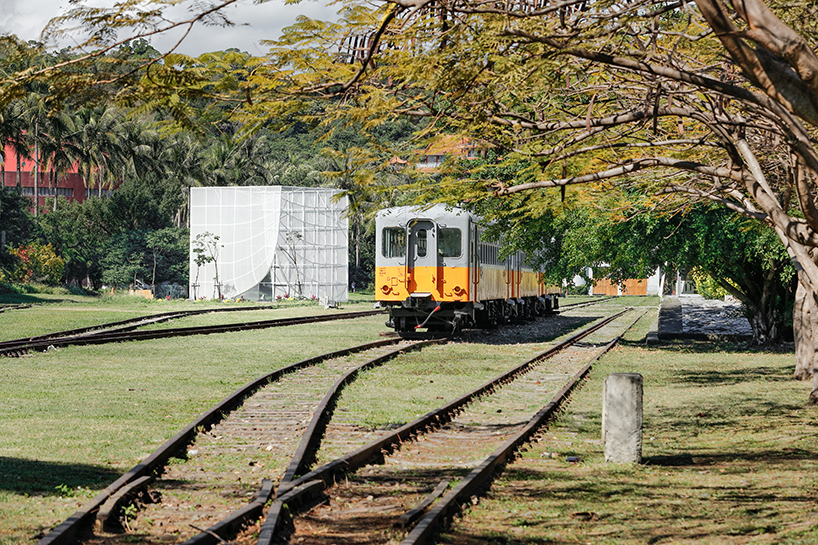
{"x": 433, "y": 271}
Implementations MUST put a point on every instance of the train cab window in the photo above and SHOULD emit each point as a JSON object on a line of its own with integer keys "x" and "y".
{"x": 449, "y": 242}
{"x": 394, "y": 242}
{"x": 421, "y": 238}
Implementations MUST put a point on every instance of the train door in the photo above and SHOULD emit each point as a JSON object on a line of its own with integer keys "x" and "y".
{"x": 422, "y": 256}
{"x": 474, "y": 260}
{"x": 518, "y": 276}
{"x": 511, "y": 267}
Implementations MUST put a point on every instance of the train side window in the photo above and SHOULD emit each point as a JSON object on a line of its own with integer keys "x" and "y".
{"x": 394, "y": 242}
{"x": 421, "y": 237}
{"x": 450, "y": 242}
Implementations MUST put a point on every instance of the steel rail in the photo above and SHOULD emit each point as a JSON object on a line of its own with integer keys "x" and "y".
{"x": 134, "y": 322}
{"x": 13, "y": 306}
{"x": 327, "y": 474}
{"x": 307, "y": 448}
{"x": 15, "y": 343}
{"x": 482, "y": 475}
{"x": 586, "y": 303}
{"x": 83, "y": 519}
{"x": 103, "y": 338}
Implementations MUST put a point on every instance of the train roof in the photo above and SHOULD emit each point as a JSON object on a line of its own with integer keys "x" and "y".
{"x": 435, "y": 212}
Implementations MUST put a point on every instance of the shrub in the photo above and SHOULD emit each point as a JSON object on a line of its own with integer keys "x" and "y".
{"x": 37, "y": 263}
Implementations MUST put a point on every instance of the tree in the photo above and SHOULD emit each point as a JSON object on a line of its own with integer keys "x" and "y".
{"x": 206, "y": 250}
{"x": 639, "y": 95}
{"x": 95, "y": 144}
{"x": 79, "y": 233}
{"x": 742, "y": 257}
{"x": 54, "y": 149}
{"x": 126, "y": 259}
{"x": 37, "y": 263}
{"x": 12, "y": 133}
{"x": 165, "y": 243}
{"x": 677, "y": 101}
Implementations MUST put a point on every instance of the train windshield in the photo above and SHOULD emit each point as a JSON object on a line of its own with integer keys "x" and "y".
{"x": 394, "y": 242}
{"x": 449, "y": 242}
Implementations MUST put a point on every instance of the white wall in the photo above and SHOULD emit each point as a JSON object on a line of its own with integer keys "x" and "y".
{"x": 255, "y": 257}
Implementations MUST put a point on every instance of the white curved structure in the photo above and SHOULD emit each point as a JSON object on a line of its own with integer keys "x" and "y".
{"x": 273, "y": 242}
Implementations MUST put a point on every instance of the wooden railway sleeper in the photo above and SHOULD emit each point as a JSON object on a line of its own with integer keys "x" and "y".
{"x": 352, "y": 461}
{"x": 80, "y": 521}
{"x": 480, "y": 478}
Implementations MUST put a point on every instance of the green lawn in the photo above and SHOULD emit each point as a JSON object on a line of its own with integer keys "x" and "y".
{"x": 729, "y": 447}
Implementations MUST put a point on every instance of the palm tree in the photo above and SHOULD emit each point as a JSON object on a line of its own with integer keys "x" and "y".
{"x": 219, "y": 162}
{"x": 35, "y": 116}
{"x": 95, "y": 143}
{"x": 54, "y": 148}
{"x": 142, "y": 149}
{"x": 353, "y": 172}
{"x": 187, "y": 169}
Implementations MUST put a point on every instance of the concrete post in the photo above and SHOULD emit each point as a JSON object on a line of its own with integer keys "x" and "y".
{"x": 622, "y": 418}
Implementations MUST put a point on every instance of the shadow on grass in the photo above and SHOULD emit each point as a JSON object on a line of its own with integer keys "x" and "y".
{"x": 693, "y": 346}
{"x": 26, "y": 299}
{"x": 657, "y": 512}
{"x": 733, "y": 376}
{"x": 693, "y": 460}
{"x": 23, "y": 476}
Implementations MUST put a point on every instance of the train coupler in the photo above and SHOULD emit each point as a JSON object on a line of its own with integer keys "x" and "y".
{"x": 419, "y": 301}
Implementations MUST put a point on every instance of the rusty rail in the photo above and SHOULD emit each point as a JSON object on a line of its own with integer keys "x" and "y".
{"x": 309, "y": 444}
{"x": 482, "y": 475}
{"x": 124, "y": 336}
{"x": 83, "y": 519}
{"x": 329, "y": 473}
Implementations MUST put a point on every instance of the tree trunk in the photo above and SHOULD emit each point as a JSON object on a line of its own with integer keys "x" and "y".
{"x": 805, "y": 330}
{"x": 802, "y": 334}
{"x": 762, "y": 311}
{"x": 765, "y": 326}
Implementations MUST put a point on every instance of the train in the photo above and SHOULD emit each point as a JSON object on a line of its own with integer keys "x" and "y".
{"x": 435, "y": 273}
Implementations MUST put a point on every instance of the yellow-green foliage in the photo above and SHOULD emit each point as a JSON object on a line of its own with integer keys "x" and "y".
{"x": 706, "y": 286}
{"x": 37, "y": 263}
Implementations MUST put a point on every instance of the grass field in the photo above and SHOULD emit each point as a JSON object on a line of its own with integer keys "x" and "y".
{"x": 729, "y": 448}
{"x": 729, "y": 456}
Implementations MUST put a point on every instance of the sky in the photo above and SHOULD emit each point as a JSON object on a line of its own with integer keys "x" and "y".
{"x": 26, "y": 19}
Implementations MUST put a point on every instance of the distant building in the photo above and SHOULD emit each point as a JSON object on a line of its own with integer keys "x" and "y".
{"x": 69, "y": 186}
{"x": 447, "y": 146}
{"x": 653, "y": 285}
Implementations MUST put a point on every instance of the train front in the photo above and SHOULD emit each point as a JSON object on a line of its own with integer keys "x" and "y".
{"x": 424, "y": 266}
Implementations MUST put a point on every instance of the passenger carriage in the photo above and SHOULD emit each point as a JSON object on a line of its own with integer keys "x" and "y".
{"x": 433, "y": 271}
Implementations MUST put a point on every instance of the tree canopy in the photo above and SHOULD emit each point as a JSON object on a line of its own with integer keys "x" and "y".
{"x": 666, "y": 102}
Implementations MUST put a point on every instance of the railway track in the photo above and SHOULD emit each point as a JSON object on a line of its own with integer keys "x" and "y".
{"x": 256, "y": 427}
{"x": 573, "y": 306}
{"x": 241, "y": 428}
{"x": 126, "y": 330}
{"x": 13, "y": 306}
{"x": 484, "y": 433}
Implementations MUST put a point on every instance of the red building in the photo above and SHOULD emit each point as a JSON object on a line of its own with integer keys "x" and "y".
{"x": 69, "y": 186}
